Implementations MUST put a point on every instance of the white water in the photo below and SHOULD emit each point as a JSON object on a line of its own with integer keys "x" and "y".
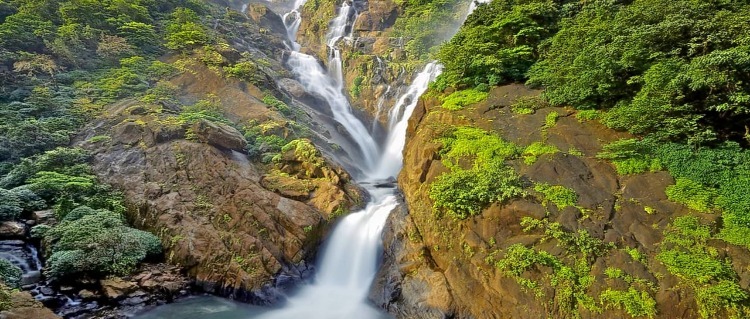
{"x": 349, "y": 260}
{"x": 398, "y": 120}
{"x": 329, "y": 85}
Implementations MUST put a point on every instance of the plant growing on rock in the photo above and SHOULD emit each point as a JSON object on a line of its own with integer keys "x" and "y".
{"x": 464, "y": 192}
{"x": 10, "y": 274}
{"x": 96, "y": 242}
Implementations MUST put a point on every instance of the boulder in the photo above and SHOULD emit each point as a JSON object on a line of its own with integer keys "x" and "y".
{"x": 116, "y": 288}
{"x": 12, "y": 229}
{"x": 219, "y": 135}
{"x": 24, "y": 306}
{"x": 44, "y": 217}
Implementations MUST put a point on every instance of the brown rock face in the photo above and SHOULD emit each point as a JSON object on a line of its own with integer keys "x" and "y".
{"x": 24, "y": 306}
{"x": 440, "y": 267}
{"x": 205, "y": 200}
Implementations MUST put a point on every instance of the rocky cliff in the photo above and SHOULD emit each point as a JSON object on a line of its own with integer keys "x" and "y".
{"x": 534, "y": 256}
{"x": 237, "y": 225}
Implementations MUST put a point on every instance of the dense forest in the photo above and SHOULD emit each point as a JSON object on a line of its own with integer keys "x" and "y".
{"x": 60, "y": 63}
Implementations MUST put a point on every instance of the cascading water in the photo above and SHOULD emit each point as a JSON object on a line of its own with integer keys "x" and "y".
{"x": 348, "y": 262}
{"x": 329, "y": 85}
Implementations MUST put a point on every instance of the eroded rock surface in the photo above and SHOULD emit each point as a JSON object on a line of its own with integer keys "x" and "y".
{"x": 440, "y": 267}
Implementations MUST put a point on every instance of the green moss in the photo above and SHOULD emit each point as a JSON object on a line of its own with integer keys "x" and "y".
{"x": 356, "y": 86}
{"x": 537, "y": 149}
{"x": 561, "y": 196}
{"x": 277, "y": 104}
{"x": 459, "y": 99}
{"x": 636, "y": 303}
{"x": 550, "y": 120}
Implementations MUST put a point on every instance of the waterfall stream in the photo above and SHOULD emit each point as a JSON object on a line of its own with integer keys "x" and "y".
{"x": 349, "y": 258}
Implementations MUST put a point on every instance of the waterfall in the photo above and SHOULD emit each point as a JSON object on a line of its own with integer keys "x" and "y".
{"x": 398, "y": 120}
{"x": 348, "y": 262}
{"x": 329, "y": 85}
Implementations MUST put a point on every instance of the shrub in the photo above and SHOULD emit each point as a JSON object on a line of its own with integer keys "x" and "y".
{"x": 686, "y": 254}
{"x": 459, "y": 99}
{"x": 357, "y": 86}
{"x": 463, "y": 193}
{"x": 636, "y": 303}
{"x": 558, "y": 195}
{"x": 10, "y": 205}
{"x": 692, "y": 194}
{"x": 10, "y": 274}
{"x": 96, "y": 242}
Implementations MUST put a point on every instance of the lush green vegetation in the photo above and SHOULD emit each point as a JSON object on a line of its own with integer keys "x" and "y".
{"x": 92, "y": 237}
{"x": 686, "y": 254}
{"x": 10, "y": 274}
{"x": 660, "y": 67}
{"x": 532, "y": 152}
{"x": 426, "y": 23}
{"x": 464, "y": 191}
{"x": 499, "y": 42}
{"x": 457, "y": 100}
{"x": 95, "y": 243}
{"x": 561, "y": 196}
{"x": 637, "y": 303}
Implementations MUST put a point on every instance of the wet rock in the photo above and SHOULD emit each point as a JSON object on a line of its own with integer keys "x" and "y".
{"x": 86, "y": 294}
{"x": 293, "y": 87}
{"x": 12, "y": 229}
{"x": 43, "y": 217}
{"x": 117, "y": 288}
{"x": 24, "y": 306}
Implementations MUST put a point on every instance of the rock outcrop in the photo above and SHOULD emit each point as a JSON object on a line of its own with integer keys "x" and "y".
{"x": 23, "y": 306}
{"x": 440, "y": 267}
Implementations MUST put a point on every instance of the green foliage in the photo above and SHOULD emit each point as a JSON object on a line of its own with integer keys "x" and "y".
{"x": 10, "y": 274}
{"x": 558, "y": 195}
{"x": 636, "y": 303}
{"x": 5, "y": 297}
{"x": 426, "y": 23}
{"x": 475, "y": 143}
{"x": 459, "y": 99}
{"x": 464, "y": 192}
{"x": 184, "y": 30}
{"x": 631, "y": 156}
{"x": 356, "y": 86}
{"x": 587, "y": 115}
{"x": 664, "y": 68}
{"x": 686, "y": 254}
{"x": 550, "y": 120}
{"x": 532, "y": 152}
{"x": 244, "y": 70}
{"x": 97, "y": 243}
{"x": 10, "y": 205}
{"x": 205, "y": 109}
{"x": 569, "y": 276}
{"x": 692, "y": 194}
{"x": 499, "y": 42}
{"x": 277, "y": 104}
{"x": 528, "y": 105}
{"x": 305, "y": 152}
